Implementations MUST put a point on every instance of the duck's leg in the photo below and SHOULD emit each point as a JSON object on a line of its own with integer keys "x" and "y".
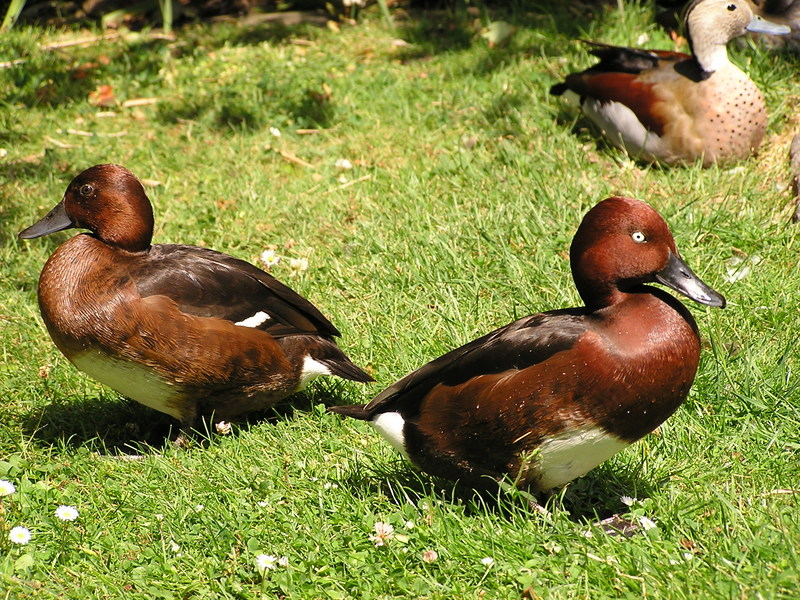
{"x": 538, "y": 508}
{"x": 187, "y": 430}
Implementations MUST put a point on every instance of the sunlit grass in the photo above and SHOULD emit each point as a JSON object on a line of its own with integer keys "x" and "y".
{"x": 467, "y": 183}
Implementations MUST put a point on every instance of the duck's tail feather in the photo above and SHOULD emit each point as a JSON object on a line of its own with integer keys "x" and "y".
{"x": 356, "y": 411}
{"x": 346, "y": 369}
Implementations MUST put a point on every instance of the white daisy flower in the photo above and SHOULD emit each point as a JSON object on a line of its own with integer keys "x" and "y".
{"x": 343, "y": 163}
{"x": 265, "y": 562}
{"x": 19, "y": 535}
{"x": 67, "y": 513}
{"x": 298, "y": 265}
{"x": 646, "y": 523}
{"x": 487, "y": 561}
{"x": 223, "y": 427}
{"x": 6, "y": 487}
{"x": 270, "y": 258}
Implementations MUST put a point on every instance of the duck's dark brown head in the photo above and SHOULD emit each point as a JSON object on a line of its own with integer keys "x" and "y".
{"x": 623, "y": 243}
{"x": 109, "y": 201}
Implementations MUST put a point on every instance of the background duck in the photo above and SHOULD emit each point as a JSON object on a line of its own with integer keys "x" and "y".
{"x": 184, "y": 330}
{"x": 782, "y": 12}
{"x": 548, "y": 397}
{"x": 677, "y": 108}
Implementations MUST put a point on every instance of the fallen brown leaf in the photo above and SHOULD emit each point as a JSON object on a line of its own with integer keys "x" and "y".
{"x": 102, "y": 96}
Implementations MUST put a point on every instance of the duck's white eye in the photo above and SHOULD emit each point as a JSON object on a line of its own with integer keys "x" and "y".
{"x": 638, "y": 237}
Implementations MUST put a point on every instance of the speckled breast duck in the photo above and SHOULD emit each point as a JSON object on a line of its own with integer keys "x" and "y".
{"x": 677, "y": 108}
{"x": 547, "y": 398}
{"x": 184, "y": 330}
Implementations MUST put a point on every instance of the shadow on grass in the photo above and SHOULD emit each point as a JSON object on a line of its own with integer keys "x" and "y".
{"x": 55, "y": 79}
{"x": 52, "y": 79}
{"x": 104, "y": 425}
{"x": 115, "y": 426}
{"x": 591, "y": 498}
{"x": 440, "y": 31}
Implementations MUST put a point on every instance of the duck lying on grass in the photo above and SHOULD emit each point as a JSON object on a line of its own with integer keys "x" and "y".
{"x": 678, "y": 108}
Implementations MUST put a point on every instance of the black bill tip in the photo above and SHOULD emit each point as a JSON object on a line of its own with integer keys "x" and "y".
{"x": 56, "y": 220}
{"x": 678, "y": 276}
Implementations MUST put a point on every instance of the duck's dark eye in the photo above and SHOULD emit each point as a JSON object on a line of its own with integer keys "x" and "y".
{"x": 86, "y": 190}
{"x": 731, "y": 7}
{"x": 638, "y": 237}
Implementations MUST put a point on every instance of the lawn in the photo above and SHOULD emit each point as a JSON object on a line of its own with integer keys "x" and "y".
{"x": 434, "y": 186}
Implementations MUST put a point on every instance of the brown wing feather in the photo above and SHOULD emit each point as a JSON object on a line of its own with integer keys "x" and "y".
{"x": 624, "y": 88}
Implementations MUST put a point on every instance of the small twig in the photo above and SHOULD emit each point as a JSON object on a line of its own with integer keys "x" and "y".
{"x": 139, "y": 102}
{"x": 93, "y": 134}
{"x": 286, "y": 155}
{"x": 94, "y": 39}
{"x": 289, "y": 18}
{"x": 11, "y": 63}
{"x": 80, "y": 41}
{"x": 294, "y": 159}
{"x": 779, "y": 492}
{"x": 60, "y": 144}
{"x": 31, "y": 158}
{"x": 349, "y": 183}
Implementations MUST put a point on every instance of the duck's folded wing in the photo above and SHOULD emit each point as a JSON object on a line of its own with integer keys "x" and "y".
{"x": 623, "y": 88}
{"x": 516, "y": 346}
{"x": 207, "y": 283}
{"x": 619, "y": 59}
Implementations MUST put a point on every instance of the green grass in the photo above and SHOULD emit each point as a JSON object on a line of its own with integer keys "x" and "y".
{"x": 469, "y": 181}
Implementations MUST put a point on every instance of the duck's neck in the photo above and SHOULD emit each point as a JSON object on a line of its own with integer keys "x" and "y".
{"x": 712, "y": 58}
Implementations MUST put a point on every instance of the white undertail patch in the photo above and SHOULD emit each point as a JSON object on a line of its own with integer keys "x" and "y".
{"x": 391, "y": 427}
{"x": 312, "y": 369}
{"x": 257, "y": 319}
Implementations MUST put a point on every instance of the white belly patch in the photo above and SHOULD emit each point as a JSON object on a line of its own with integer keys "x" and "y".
{"x": 565, "y": 457}
{"x": 132, "y": 380}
